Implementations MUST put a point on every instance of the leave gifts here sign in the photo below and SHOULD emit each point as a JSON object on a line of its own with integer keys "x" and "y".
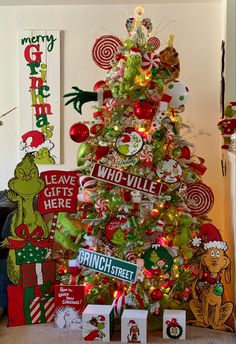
{"x": 108, "y": 265}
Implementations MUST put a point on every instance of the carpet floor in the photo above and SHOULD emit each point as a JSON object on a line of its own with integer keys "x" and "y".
{"x": 48, "y": 334}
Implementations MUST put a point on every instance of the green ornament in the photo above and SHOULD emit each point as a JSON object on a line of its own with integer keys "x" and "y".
{"x": 218, "y": 289}
{"x": 95, "y": 291}
{"x": 128, "y": 43}
{"x": 154, "y": 71}
{"x": 159, "y": 134}
{"x": 176, "y": 152}
{"x": 82, "y": 153}
{"x": 130, "y": 236}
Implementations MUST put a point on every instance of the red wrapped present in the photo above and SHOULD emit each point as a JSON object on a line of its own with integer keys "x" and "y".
{"x": 34, "y": 304}
{"x": 38, "y": 273}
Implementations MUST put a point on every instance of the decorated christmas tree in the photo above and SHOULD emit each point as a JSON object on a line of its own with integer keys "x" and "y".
{"x": 142, "y": 205}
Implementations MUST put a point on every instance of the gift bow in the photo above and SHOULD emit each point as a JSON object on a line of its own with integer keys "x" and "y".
{"x": 198, "y": 166}
{"x": 35, "y": 238}
{"x": 173, "y": 322}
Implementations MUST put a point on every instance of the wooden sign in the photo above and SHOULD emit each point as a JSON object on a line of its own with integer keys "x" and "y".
{"x": 39, "y": 95}
{"x": 60, "y": 192}
{"x": 108, "y": 265}
{"x": 127, "y": 180}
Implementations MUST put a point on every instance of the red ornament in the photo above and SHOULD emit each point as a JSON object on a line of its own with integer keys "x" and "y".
{"x": 101, "y": 300}
{"x": 185, "y": 153}
{"x": 62, "y": 270}
{"x": 144, "y": 110}
{"x": 108, "y": 186}
{"x": 157, "y": 294}
{"x": 79, "y": 132}
{"x": 126, "y": 196}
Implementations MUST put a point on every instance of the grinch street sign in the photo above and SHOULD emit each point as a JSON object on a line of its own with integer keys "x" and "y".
{"x": 108, "y": 265}
{"x": 127, "y": 180}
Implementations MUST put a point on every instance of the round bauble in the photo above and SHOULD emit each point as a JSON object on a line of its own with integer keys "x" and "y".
{"x": 144, "y": 110}
{"x": 156, "y": 294}
{"x": 79, "y": 132}
{"x": 177, "y": 92}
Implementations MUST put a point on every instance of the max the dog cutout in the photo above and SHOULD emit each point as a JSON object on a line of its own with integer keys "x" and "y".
{"x": 207, "y": 304}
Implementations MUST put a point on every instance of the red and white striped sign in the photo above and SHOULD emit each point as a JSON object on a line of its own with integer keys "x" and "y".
{"x": 127, "y": 180}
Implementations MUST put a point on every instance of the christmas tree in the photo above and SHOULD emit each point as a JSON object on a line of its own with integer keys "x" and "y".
{"x": 141, "y": 197}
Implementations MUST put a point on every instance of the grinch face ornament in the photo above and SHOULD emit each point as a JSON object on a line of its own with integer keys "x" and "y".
{"x": 169, "y": 170}
{"x": 129, "y": 143}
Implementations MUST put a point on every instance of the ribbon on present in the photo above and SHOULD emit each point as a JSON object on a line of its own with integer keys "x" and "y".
{"x": 172, "y": 323}
{"x": 118, "y": 303}
{"x": 198, "y": 166}
{"x": 38, "y": 273}
{"x": 36, "y": 238}
{"x": 40, "y": 309}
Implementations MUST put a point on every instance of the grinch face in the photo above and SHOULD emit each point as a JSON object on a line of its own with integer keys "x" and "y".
{"x": 26, "y": 182}
{"x": 215, "y": 260}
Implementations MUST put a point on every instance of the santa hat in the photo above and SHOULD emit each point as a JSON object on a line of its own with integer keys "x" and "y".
{"x": 101, "y": 318}
{"x": 135, "y": 51}
{"x": 131, "y": 322}
{"x": 210, "y": 237}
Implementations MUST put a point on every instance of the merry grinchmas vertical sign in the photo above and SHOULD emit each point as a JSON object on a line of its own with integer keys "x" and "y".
{"x": 39, "y": 95}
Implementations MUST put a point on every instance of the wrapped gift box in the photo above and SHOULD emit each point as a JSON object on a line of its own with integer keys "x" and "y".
{"x": 30, "y": 305}
{"x": 134, "y": 326}
{"x": 30, "y": 254}
{"x": 38, "y": 273}
{"x": 69, "y": 305}
{"x": 174, "y": 324}
{"x": 98, "y": 322}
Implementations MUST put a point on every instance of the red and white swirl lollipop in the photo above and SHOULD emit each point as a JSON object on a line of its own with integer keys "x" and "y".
{"x": 104, "y": 50}
{"x": 200, "y": 198}
{"x": 101, "y": 205}
{"x": 150, "y": 60}
{"x": 146, "y": 157}
{"x": 155, "y": 42}
{"x": 111, "y": 104}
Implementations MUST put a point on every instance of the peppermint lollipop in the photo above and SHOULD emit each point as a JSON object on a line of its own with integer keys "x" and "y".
{"x": 155, "y": 42}
{"x": 101, "y": 206}
{"x": 104, "y": 50}
{"x": 150, "y": 60}
{"x": 200, "y": 198}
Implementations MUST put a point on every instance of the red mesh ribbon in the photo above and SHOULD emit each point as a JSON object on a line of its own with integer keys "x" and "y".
{"x": 198, "y": 166}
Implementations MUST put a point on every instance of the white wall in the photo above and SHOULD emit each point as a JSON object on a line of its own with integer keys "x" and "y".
{"x": 197, "y": 28}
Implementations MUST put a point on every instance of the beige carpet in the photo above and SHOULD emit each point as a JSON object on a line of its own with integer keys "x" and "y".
{"x": 47, "y": 334}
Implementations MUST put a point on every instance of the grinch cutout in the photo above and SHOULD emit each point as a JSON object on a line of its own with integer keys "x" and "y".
{"x": 129, "y": 143}
{"x": 97, "y": 325}
{"x": 27, "y": 223}
{"x": 208, "y": 308}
